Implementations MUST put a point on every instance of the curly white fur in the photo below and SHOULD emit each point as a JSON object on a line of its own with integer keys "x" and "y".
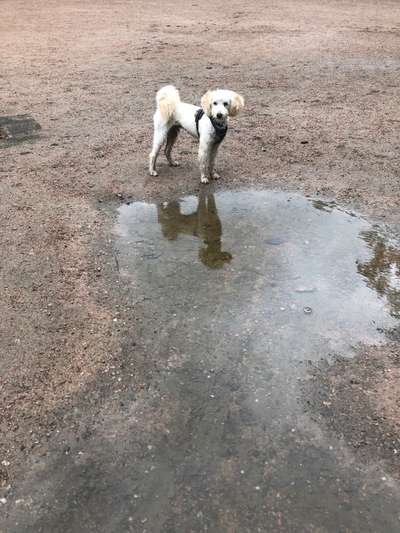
{"x": 172, "y": 114}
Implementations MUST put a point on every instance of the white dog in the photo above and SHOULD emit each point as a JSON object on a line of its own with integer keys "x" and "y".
{"x": 207, "y": 123}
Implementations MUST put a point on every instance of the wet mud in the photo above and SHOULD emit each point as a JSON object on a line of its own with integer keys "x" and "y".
{"x": 242, "y": 295}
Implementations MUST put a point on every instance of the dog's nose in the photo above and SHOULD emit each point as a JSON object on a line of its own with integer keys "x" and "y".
{"x": 219, "y": 115}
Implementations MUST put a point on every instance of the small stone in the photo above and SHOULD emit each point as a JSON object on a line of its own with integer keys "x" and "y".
{"x": 307, "y": 310}
{"x": 302, "y": 289}
{"x": 275, "y": 241}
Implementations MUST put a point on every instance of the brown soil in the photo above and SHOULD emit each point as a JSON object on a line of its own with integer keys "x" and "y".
{"x": 359, "y": 400}
{"x": 323, "y": 112}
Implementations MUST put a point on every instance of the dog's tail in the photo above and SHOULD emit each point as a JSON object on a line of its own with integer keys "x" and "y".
{"x": 167, "y": 99}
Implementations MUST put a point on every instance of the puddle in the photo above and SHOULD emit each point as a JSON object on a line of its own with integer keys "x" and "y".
{"x": 297, "y": 278}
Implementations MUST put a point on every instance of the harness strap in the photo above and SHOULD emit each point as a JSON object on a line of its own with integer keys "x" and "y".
{"x": 220, "y": 131}
{"x": 198, "y": 116}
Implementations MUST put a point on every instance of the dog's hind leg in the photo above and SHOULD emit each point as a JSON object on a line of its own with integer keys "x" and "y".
{"x": 160, "y": 135}
{"x": 172, "y": 135}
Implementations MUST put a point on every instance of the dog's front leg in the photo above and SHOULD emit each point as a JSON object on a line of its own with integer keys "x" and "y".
{"x": 204, "y": 161}
{"x": 213, "y": 154}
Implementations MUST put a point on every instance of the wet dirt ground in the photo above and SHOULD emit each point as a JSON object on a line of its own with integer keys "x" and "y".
{"x": 322, "y": 116}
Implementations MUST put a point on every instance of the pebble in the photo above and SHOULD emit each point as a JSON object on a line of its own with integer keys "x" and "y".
{"x": 274, "y": 241}
{"x": 305, "y": 289}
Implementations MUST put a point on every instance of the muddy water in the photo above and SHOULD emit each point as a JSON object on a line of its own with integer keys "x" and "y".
{"x": 288, "y": 277}
{"x": 238, "y": 294}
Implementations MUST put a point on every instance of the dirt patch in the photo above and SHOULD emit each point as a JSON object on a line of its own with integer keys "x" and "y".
{"x": 54, "y": 331}
{"x": 358, "y": 400}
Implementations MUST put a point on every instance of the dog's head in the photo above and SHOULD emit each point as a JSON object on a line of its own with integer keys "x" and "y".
{"x": 222, "y": 103}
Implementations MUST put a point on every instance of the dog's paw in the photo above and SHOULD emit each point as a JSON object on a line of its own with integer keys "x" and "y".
{"x": 153, "y": 173}
{"x": 204, "y": 179}
{"x": 216, "y": 176}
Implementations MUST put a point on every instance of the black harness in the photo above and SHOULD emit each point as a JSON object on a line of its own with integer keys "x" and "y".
{"x": 220, "y": 131}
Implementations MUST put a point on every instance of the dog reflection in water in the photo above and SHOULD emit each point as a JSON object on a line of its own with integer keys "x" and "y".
{"x": 204, "y": 223}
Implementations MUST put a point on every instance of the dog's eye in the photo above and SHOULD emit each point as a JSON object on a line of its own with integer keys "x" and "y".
{"x": 215, "y": 103}
{"x": 226, "y": 104}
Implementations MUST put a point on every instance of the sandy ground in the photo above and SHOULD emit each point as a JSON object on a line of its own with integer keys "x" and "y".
{"x": 323, "y": 113}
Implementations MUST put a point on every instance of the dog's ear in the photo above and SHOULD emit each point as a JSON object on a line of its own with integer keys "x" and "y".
{"x": 206, "y": 102}
{"x": 236, "y": 103}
